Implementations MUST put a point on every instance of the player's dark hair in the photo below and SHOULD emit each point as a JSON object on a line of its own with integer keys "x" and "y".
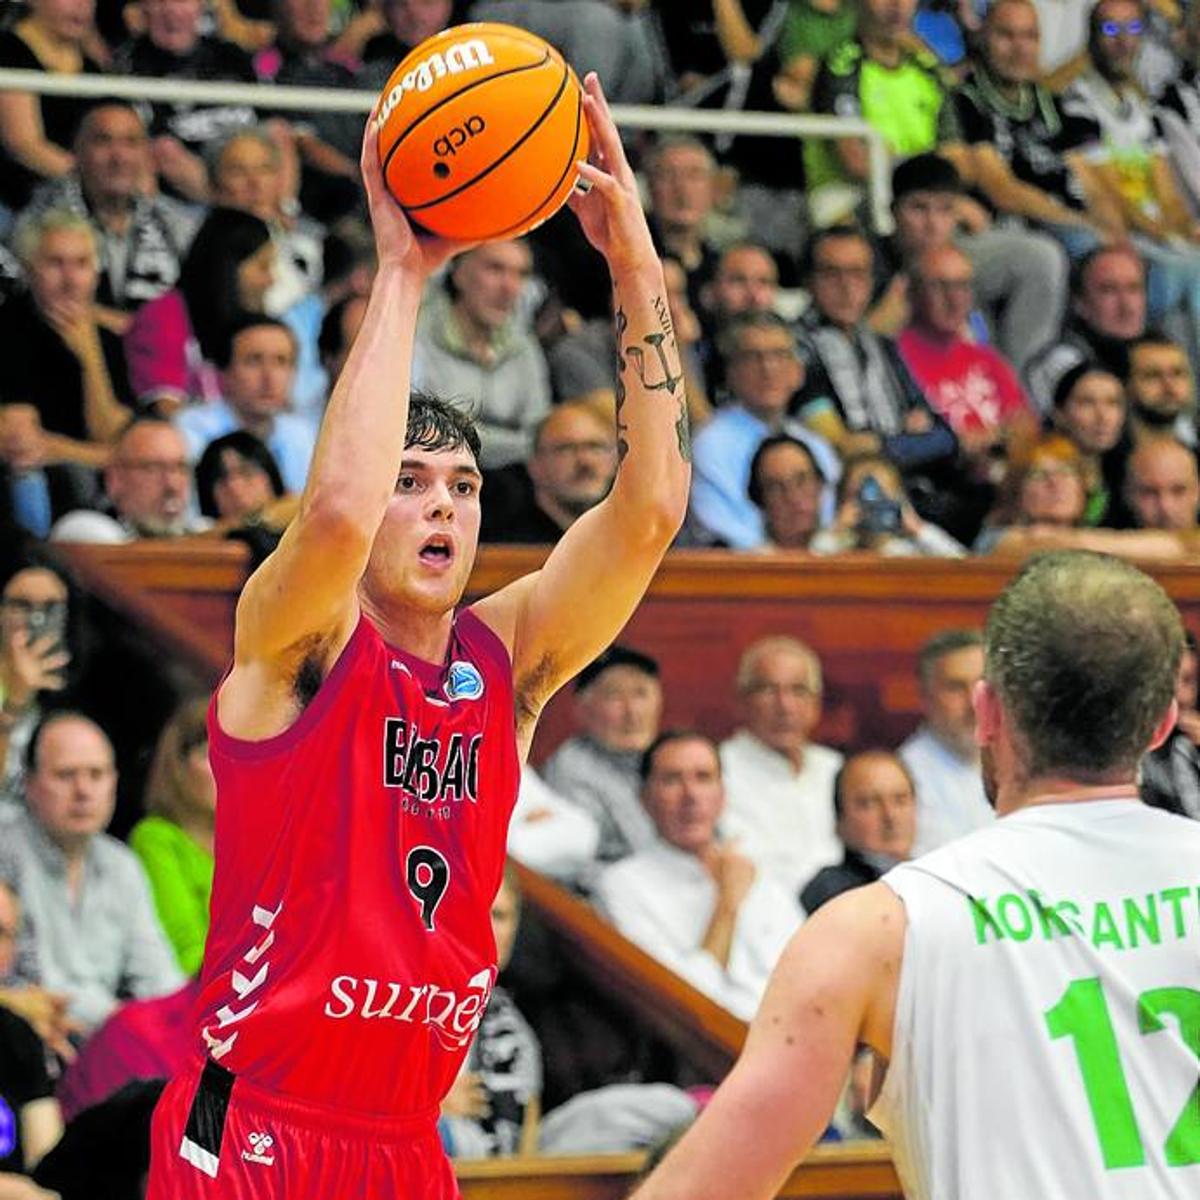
{"x": 434, "y": 424}
{"x": 1083, "y": 650}
{"x": 668, "y": 737}
{"x": 949, "y": 641}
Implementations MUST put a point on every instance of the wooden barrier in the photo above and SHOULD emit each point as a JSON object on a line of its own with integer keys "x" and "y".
{"x": 866, "y": 618}
{"x": 853, "y": 1171}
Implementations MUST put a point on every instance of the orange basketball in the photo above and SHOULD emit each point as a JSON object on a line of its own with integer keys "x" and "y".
{"x": 480, "y": 130}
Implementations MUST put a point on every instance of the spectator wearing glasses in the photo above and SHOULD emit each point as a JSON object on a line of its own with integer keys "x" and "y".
{"x": 786, "y": 486}
{"x": 973, "y": 387}
{"x": 33, "y": 662}
{"x": 1131, "y": 166}
{"x": 764, "y": 372}
{"x": 148, "y": 487}
{"x": 571, "y": 469}
{"x": 777, "y": 781}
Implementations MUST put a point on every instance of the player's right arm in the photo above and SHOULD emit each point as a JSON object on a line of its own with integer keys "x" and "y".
{"x": 301, "y": 605}
{"x": 833, "y": 989}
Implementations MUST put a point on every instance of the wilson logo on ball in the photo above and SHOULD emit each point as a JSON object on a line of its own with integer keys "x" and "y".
{"x": 450, "y": 143}
{"x": 462, "y": 56}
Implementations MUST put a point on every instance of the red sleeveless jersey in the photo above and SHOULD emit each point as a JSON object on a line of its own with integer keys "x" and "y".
{"x": 350, "y": 954}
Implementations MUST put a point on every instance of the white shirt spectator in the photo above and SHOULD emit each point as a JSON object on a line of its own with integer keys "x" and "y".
{"x": 782, "y": 819}
{"x": 551, "y": 834}
{"x": 663, "y": 899}
{"x": 950, "y": 797}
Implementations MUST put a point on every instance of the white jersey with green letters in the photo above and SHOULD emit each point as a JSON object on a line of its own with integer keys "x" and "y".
{"x": 1047, "y": 1035}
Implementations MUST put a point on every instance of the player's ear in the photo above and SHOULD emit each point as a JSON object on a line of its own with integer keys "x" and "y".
{"x": 989, "y": 714}
{"x": 1163, "y": 729}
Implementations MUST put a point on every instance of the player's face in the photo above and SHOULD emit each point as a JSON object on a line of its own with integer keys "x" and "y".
{"x": 72, "y": 789}
{"x": 425, "y": 547}
{"x": 946, "y": 697}
{"x": 878, "y": 807}
{"x": 781, "y": 700}
{"x": 684, "y": 794}
{"x": 506, "y": 917}
{"x": 621, "y": 709}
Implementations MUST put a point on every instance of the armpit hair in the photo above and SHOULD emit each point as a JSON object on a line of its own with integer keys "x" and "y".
{"x": 531, "y": 689}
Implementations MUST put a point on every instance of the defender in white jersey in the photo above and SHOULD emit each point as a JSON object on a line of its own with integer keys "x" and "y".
{"x": 1034, "y": 987}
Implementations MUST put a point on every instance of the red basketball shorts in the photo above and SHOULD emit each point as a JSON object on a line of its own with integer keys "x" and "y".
{"x": 218, "y": 1137}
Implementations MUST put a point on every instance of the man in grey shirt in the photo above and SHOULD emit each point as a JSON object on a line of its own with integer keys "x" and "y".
{"x": 87, "y": 904}
{"x": 618, "y": 703}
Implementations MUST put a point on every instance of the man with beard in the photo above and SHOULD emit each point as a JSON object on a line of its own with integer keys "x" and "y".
{"x": 571, "y": 469}
{"x": 1038, "y": 1034}
{"x": 1161, "y": 389}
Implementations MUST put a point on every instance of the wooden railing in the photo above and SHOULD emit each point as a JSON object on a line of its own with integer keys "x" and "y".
{"x": 865, "y": 617}
{"x": 858, "y": 1171}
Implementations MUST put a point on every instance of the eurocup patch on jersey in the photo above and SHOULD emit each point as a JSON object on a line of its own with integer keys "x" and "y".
{"x": 463, "y": 681}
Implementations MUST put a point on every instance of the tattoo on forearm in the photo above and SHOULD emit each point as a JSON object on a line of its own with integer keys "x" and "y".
{"x": 654, "y": 372}
{"x": 664, "y": 316}
{"x": 668, "y": 382}
{"x": 622, "y": 429}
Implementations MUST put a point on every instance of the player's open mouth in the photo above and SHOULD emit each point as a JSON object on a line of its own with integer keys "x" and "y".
{"x": 437, "y": 551}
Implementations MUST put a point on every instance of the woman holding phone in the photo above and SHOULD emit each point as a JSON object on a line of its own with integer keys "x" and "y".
{"x": 33, "y": 660}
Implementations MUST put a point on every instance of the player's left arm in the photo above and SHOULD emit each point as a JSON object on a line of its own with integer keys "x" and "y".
{"x": 833, "y": 989}
{"x": 557, "y": 620}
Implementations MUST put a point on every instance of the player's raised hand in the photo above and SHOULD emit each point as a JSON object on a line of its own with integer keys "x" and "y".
{"x": 610, "y": 210}
{"x": 396, "y": 241}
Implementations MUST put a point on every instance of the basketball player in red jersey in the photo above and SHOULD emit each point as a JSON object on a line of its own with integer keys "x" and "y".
{"x": 367, "y": 745}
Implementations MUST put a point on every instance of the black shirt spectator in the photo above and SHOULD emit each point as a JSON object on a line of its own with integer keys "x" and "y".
{"x": 210, "y": 59}
{"x": 23, "y": 1079}
{"x": 853, "y": 871}
{"x": 60, "y": 119}
{"x": 39, "y": 369}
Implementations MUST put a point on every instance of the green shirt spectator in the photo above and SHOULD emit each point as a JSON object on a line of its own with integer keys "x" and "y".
{"x": 175, "y": 840}
{"x": 180, "y": 873}
{"x": 903, "y": 102}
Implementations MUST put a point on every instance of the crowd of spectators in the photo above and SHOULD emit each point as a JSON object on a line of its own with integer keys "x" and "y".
{"x": 1010, "y": 365}
{"x": 205, "y": 264}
